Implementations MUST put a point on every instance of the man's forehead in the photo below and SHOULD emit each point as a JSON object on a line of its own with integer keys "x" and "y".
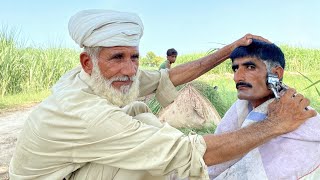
{"x": 122, "y": 48}
{"x": 119, "y": 49}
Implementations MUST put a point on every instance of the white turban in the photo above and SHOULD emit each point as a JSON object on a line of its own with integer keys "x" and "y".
{"x": 91, "y": 28}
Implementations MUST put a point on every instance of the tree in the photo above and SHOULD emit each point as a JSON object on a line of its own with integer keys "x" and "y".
{"x": 151, "y": 60}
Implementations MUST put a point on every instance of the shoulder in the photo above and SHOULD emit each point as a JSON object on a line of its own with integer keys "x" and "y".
{"x": 308, "y": 131}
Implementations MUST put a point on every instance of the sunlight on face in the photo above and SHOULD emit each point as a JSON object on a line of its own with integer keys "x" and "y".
{"x": 103, "y": 87}
{"x": 250, "y": 78}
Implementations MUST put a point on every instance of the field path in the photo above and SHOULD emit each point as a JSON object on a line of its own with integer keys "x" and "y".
{"x": 10, "y": 125}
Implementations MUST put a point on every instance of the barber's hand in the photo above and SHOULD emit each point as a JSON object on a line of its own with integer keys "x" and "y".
{"x": 289, "y": 112}
{"x": 247, "y": 39}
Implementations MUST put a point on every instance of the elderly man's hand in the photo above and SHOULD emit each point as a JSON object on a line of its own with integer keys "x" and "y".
{"x": 246, "y": 40}
{"x": 289, "y": 112}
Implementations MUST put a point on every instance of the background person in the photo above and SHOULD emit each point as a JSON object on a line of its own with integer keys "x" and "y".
{"x": 171, "y": 58}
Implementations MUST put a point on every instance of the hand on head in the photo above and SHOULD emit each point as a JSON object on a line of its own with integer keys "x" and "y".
{"x": 247, "y": 39}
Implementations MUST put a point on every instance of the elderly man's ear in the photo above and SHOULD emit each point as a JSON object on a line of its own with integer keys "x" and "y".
{"x": 86, "y": 62}
{"x": 279, "y": 71}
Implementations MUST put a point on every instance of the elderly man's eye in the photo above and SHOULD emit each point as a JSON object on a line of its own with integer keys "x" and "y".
{"x": 118, "y": 56}
{"x": 135, "y": 58}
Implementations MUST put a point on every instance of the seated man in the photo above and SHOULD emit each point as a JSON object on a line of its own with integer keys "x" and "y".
{"x": 290, "y": 156}
{"x": 171, "y": 58}
{"x": 91, "y": 127}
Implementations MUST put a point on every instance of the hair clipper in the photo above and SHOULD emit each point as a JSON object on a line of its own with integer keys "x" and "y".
{"x": 275, "y": 85}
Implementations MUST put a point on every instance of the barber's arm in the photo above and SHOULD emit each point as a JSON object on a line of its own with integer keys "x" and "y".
{"x": 189, "y": 71}
{"x": 284, "y": 116}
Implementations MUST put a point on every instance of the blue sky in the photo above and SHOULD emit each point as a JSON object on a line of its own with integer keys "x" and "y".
{"x": 189, "y": 26}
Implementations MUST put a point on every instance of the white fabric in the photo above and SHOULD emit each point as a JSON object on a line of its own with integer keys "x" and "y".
{"x": 76, "y": 134}
{"x": 96, "y": 27}
{"x": 289, "y": 156}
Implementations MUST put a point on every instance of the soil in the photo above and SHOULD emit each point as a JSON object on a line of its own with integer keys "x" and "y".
{"x": 11, "y": 122}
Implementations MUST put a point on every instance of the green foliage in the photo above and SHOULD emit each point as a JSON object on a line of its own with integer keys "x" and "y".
{"x": 22, "y": 99}
{"x": 313, "y": 84}
{"x": 31, "y": 69}
{"x": 300, "y": 59}
{"x": 202, "y": 131}
{"x": 154, "y": 105}
{"x": 224, "y": 67}
{"x": 151, "y": 60}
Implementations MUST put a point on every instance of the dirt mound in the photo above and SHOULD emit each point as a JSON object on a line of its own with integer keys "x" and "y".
{"x": 190, "y": 109}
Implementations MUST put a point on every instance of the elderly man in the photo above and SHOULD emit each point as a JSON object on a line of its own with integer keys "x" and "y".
{"x": 290, "y": 156}
{"x": 91, "y": 128}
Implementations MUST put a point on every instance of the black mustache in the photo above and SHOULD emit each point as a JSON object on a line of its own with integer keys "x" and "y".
{"x": 243, "y": 84}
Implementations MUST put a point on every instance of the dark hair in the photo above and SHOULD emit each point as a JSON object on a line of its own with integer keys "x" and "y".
{"x": 261, "y": 50}
{"x": 171, "y": 52}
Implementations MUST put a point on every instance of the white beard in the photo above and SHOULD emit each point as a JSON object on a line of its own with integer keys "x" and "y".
{"x": 103, "y": 87}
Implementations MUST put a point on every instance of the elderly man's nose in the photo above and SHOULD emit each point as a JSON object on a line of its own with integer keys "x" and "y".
{"x": 129, "y": 68}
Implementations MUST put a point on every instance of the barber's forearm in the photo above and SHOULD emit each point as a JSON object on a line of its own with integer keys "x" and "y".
{"x": 228, "y": 146}
{"x": 189, "y": 71}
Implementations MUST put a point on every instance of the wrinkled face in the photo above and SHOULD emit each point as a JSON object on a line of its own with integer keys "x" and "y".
{"x": 172, "y": 58}
{"x": 114, "y": 75}
{"x": 250, "y": 78}
{"x": 119, "y": 61}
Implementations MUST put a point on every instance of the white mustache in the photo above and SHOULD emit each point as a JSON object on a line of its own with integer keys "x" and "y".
{"x": 123, "y": 78}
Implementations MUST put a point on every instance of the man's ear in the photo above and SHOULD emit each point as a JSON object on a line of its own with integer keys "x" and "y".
{"x": 279, "y": 71}
{"x": 86, "y": 62}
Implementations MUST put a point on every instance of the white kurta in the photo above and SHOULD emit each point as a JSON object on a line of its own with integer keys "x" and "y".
{"x": 75, "y": 134}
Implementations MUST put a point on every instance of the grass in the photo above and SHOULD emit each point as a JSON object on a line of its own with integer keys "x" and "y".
{"x": 300, "y": 83}
{"x": 26, "y": 70}
{"x": 15, "y": 101}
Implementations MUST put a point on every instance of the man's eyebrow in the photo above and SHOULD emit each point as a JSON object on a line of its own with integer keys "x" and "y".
{"x": 248, "y": 63}
{"x": 116, "y": 55}
{"x": 135, "y": 55}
